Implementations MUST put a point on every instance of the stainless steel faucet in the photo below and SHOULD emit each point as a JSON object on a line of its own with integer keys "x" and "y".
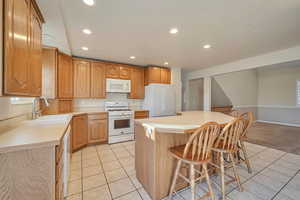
{"x": 36, "y": 111}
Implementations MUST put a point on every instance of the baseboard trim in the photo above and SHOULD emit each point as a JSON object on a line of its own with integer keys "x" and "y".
{"x": 279, "y": 123}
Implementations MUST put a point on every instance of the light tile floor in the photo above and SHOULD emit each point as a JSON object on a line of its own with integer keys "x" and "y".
{"x": 106, "y": 172}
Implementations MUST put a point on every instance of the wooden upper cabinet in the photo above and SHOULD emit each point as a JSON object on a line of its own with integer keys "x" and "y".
{"x": 137, "y": 83}
{"x": 98, "y": 81}
{"x": 49, "y": 72}
{"x": 64, "y": 76}
{"x": 36, "y": 54}
{"x": 112, "y": 71}
{"x": 165, "y": 75}
{"x": 159, "y": 75}
{"x": 82, "y": 81}
{"x": 125, "y": 72}
{"x": 22, "y": 48}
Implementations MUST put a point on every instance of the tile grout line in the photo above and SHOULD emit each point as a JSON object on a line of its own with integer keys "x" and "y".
{"x": 98, "y": 155}
{"x": 286, "y": 184}
{"x": 259, "y": 172}
{"x": 136, "y": 189}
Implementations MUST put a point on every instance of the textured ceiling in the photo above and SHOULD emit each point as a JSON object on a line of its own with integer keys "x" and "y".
{"x": 236, "y": 29}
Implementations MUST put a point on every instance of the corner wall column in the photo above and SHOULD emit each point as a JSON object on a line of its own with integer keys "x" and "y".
{"x": 207, "y": 94}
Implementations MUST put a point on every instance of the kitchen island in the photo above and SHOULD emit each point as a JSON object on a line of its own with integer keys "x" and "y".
{"x": 154, "y": 136}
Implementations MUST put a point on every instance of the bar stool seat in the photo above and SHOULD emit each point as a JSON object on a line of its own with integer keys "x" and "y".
{"x": 178, "y": 152}
{"x": 196, "y": 152}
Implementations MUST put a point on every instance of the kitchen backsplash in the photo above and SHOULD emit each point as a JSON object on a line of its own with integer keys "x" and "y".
{"x": 133, "y": 103}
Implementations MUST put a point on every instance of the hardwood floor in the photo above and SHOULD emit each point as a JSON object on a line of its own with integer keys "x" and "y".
{"x": 285, "y": 138}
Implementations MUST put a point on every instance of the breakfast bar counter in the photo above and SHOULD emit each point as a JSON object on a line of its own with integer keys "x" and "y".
{"x": 154, "y": 136}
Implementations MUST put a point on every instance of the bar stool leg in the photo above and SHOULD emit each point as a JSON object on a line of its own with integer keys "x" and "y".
{"x": 175, "y": 179}
{"x": 237, "y": 177}
{"x": 246, "y": 156}
{"x": 192, "y": 180}
{"x": 222, "y": 175}
{"x": 212, "y": 195}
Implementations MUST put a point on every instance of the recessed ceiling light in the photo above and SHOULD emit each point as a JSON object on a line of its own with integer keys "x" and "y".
{"x": 84, "y": 48}
{"x": 87, "y": 31}
{"x": 207, "y": 46}
{"x": 89, "y": 2}
{"x": 173, "y": 31}
{"x": 166, "y": 63}
{"x": 132, "y": 57}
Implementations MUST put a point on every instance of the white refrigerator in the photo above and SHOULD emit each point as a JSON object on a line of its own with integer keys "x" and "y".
{"x": 160, "y": 100}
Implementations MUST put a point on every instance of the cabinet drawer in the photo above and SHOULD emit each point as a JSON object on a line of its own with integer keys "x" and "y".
{"x": 141, "y": 114}
{"x": 97, "y": 116}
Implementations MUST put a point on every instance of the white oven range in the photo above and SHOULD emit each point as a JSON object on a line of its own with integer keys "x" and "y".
{"x": 120, "y": 122}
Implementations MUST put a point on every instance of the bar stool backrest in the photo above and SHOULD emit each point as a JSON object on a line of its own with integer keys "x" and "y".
{"x": 201, "y": 142}
{"x": 248, "y": 121}
{"x": 230, "y": 135}
{"x": 235, "y": 113}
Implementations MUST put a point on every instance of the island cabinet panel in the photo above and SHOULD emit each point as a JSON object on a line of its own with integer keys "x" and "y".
{"x": 153, "y": 163}
{"x": 79, "y": 131}
{"x": 137, "y": 83}
{"x": 65, "y": 76}
{"x": 22, "y": 48}
{"x": 98, "y": 82}
{"x": 82, "y": 78}
{"x": 158, "y": 75}
{"x": 112, "y": 71}
{"x": 97, "y": 128}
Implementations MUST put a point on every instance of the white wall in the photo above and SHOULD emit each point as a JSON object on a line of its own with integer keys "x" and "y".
{"x": 177, "y": 83}
{"x": 277, "y": 94}
{"x": 240, "y": 87}
{"x": 277, "y": 85}
{"x": 218, "y": 96}
{"x": 196, "y": 94}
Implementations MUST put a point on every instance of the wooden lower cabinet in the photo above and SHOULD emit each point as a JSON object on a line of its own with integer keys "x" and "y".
{"x": 79, "y": 131}
{"x": 141, "y": 114}
{"x": 97, "y": 128}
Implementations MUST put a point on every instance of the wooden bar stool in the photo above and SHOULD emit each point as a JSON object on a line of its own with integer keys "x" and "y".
{"x": 247, "y": 122}
{"x": 197, "y": 152}
{"x": 227, "y": 143}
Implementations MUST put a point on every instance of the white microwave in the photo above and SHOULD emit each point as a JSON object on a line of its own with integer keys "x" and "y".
{"x": 118, "y": 85}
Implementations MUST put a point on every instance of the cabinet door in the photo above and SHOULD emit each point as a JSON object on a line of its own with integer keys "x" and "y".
{"x": 79, "y": 132}
{"x": 137, "y": 83}
{"x": 98, "y": 81}
{"x": 36, "y": 54}
{"x": 17, "y": 47}
{"x": 82, "y": 79}
{"x": 165, "y": 75}
{"x": 154, "y": 75}
{"x": 65, "y": 76}
{"x": 112, "y": 71}
{"x": 125, "y": 72}
{"x": 49, "y": 69}
{"x": 97, "y": 131}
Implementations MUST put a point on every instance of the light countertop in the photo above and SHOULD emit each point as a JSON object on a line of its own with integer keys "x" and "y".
{"x": 183, "y": 123}
{"x": 44, "y": 131}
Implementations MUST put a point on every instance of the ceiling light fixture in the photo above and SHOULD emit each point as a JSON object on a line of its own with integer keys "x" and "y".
{"x": 173, "y": 31}
{"x": 132, "y": 57}
{"x": 87, "y": 31}
{"x": 166, "y": 63}
{"x": 89, "y": 2}
{"x": 84, "y": 48}
{"x": 207, "y": 46}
